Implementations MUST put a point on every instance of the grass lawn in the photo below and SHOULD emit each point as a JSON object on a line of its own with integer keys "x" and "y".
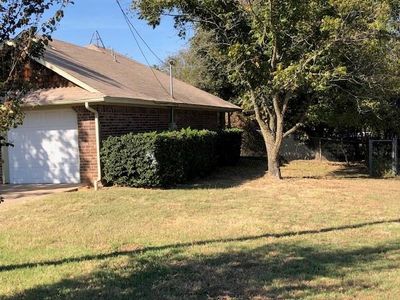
{"x": 326, "y": 231}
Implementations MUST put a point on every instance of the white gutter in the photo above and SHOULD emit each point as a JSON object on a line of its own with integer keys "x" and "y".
{"x": 97, "y": 128}
{"x": 161, "y": 104}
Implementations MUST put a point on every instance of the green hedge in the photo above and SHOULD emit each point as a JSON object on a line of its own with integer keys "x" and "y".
{"x": 167, "y": 158}
{"x": 229, "y": 143}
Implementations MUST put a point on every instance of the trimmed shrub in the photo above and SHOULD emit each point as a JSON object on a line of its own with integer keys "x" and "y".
{"x": 129, "y": 160}
{"x": 158, "y": 159}
{"x": 185, "y": 154}
{"x": 228, "y": 146}
{"x": 167, "y": 158}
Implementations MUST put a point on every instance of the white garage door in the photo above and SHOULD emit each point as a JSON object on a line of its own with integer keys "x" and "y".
{"x": 45, "y": 148}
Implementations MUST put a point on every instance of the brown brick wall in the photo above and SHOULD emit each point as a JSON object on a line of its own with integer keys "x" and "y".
{"x": 197, "y": 119}
{"x": 39, "y": 77}
{"x": 119, "y": 120}
{"x": 87, "y": 144}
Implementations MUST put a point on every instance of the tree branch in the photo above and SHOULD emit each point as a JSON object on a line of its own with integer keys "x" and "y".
{"x": 265, "y": 130}
{"x": 297, "y": 126}
{"x": 275, "y": 48}
{"x": 285, "y": 103}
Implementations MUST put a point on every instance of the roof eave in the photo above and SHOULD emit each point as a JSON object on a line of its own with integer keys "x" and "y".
{"x": 157, "y": 103}
{"x": 62, "y": 102}
{"x": 131, "y": 102}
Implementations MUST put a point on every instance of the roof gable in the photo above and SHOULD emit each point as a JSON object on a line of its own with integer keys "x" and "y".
{"x": 96, "y": 70}
{"x": 40, "y": 77}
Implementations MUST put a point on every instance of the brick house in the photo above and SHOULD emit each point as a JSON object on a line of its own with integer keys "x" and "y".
{"x": 86, "y": 94}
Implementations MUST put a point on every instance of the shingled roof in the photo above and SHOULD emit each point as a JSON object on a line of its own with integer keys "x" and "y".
{"x": 101, "y": 75}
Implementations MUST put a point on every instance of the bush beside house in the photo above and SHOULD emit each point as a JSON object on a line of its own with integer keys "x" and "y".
{"x": 167, "y": 158}
{"x": 228, "y": 146}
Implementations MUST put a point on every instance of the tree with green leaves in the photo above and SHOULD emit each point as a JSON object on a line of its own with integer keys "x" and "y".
{"x": 201, "y": 65}
{"x": 287, "y": 57}
{"x": 24, "y": 31}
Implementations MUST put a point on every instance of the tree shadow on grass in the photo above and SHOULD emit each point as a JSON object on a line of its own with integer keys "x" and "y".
{"x": 249, "y": 169}
{"x": 342, "y": 171}
{"x": 280, "y": 270}
{"x": 194, "y": 243}
{"x": 246, "y": 170}
{"x": 351, "y": 171}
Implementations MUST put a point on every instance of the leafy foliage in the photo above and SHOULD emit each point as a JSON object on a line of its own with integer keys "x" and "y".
{"x": 10, "y": 115}
{"x": 201, "y": 65}
{"x": 23, "y": 34}
{"x": 289, "y": 57}
{"x": 166, "y": 158}
{"x": 228, "y": 145}
{"x": 382, "y": 160}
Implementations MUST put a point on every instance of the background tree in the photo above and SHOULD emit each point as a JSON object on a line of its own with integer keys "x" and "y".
{"x": 286, "y": 57}
{"x": 202, "y": 66}
{"x": 24, "y": 31}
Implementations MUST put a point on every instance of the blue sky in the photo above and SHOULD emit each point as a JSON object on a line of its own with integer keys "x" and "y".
{"x": 86, "y": 16}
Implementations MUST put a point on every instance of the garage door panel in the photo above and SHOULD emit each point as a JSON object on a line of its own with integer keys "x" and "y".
{"x": 46, "y": 149}
{"x": 49, "y": 120}
{"x": 40, "y": 175}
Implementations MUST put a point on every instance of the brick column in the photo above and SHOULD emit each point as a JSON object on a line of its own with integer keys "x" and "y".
{"x": 87, "y": 145}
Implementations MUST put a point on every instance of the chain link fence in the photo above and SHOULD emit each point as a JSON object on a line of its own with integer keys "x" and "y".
{"x": 383, "y": 157}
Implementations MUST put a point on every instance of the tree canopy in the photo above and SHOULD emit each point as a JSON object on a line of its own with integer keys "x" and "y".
{"x": 24, "y": 31}
{"x": 289, "y": 57}
{"x": 201, "y": 65}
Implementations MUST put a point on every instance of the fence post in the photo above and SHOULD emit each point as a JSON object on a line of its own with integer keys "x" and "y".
{"x": 320, "y": 149}
{"x": 370, "y": 153}
{"x": 395, "y": 158}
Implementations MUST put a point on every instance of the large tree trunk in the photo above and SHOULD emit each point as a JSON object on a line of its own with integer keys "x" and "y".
{"x": 272, "y": 132}
{"x": 271, "y": 123}
{"x": 274, "y": 170}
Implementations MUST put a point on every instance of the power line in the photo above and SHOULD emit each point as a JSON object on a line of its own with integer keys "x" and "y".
{"x": 132, "y": 29}
{"x": 140, "y": 36}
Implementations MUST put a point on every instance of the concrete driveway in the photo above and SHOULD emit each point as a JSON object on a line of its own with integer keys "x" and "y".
{"x": 15, "y": 192}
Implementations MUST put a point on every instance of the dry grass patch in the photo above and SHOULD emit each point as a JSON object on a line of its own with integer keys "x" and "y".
{"x": 326, "y": 231}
